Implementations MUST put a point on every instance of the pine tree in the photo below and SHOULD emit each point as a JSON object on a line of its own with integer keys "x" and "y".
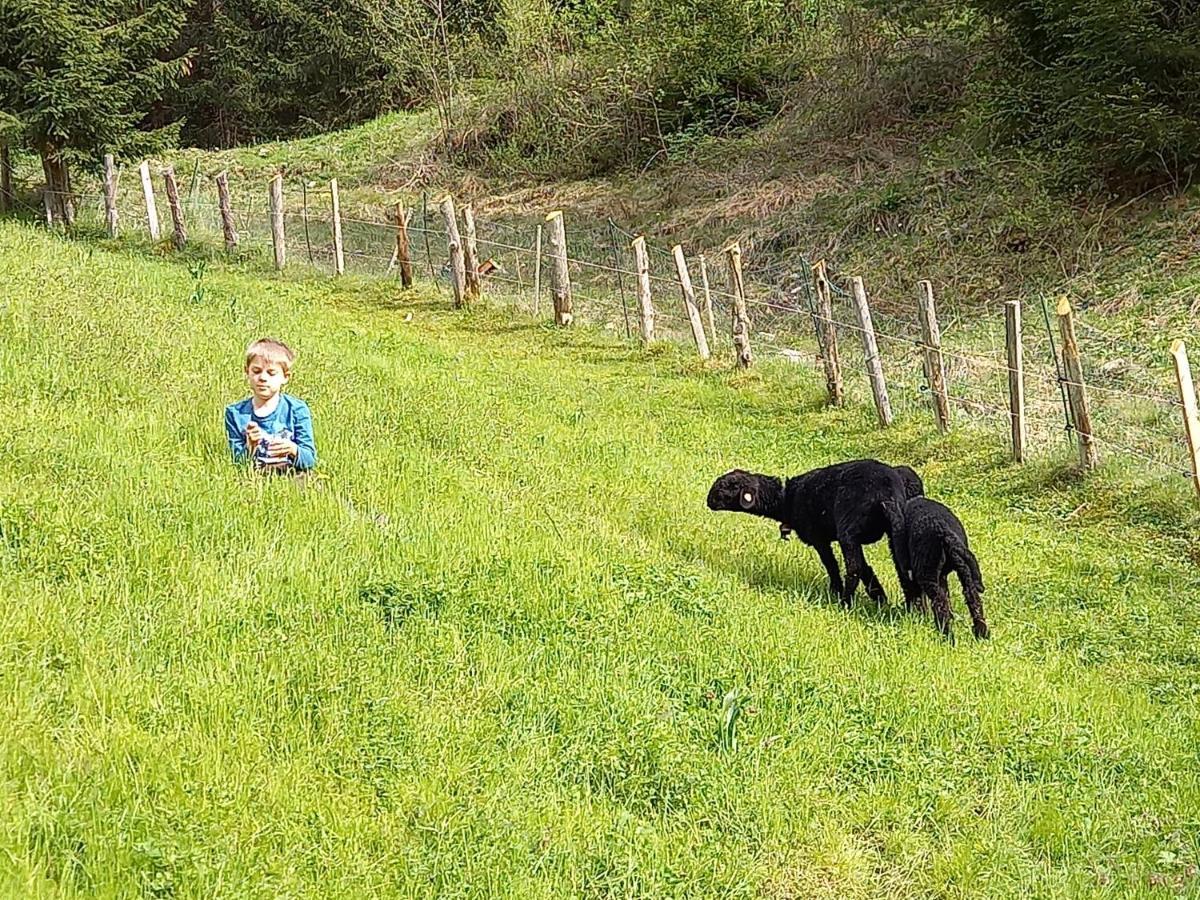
{"x": 82, "y": 77}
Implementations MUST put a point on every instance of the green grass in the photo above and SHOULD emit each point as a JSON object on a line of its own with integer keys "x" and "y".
{"x": 488, "y": 656}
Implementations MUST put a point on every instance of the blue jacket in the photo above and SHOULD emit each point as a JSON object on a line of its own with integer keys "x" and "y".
{"x": 290, "y": 418}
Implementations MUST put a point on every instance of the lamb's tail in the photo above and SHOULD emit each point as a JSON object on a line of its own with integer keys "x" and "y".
{"x": 893, "y": 515}
{"x": 966, "y": 565}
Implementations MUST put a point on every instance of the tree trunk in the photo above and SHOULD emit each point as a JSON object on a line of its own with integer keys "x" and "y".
{"x": 58, "y": 186}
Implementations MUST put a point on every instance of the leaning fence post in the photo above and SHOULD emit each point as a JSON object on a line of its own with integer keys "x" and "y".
{"x": 6, "y": 189}
{"x": 471, "y": 253}
{"x": 231, "y": 235}
{"x": 560, "y": 283}
{"x": 178, "y": 231}
{"x": 276, "y": 212}
{"x": 339, "y": 254}
{"x": 1191, "y": 420}
{"x": 151, "y": 208}
{"x": 403, "y": 253}
{"x": 883, "y": 405}
{"x": 708, "y": 310}
{"x": 110, "y": 195}
{"x": 457, "y": 267}
{"x": 537, "y": 270}
{"x": 645, "y": 306}
{"x": 689, "y": 302}
{"x": 1076, "y": 390}
{"x": 827, "y": 334}
{"x": 741, "y": 321}
{"x": 1016, "y": 378}
{"x": 935, "y": 372}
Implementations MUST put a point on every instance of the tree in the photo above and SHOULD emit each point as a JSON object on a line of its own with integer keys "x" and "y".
{"x": 81, "y": 77}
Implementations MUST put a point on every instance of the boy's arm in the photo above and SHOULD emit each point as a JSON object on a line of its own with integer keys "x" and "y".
{"x": 302, "y": 437}
{"x": 235, "y": 436}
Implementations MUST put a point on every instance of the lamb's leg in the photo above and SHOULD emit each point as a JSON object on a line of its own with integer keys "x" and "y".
{"x": 940, "y": 592}
{"x": 871, "y": 582}
{"x": 856, "y": 565}
{"x": 979, "y": 624}
{"x": 825, "y": 551}
{"x": 914, "y": 597}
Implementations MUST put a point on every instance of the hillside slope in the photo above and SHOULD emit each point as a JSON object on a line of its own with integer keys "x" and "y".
{"x": 487, "y": 656}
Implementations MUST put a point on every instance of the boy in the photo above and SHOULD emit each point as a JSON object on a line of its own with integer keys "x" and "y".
{"x": 271, "y": 428}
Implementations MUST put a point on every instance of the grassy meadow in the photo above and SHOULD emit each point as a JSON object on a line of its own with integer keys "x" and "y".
{"x": 485, "y": 655}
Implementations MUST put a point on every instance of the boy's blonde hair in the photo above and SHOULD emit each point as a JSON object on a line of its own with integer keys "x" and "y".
{"x": 271, "y": 351}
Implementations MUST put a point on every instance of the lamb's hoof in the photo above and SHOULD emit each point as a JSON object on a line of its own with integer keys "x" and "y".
{"x": 981, "y": 631}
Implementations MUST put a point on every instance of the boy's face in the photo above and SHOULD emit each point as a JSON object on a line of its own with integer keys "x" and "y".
{"x": 265, "y": 378}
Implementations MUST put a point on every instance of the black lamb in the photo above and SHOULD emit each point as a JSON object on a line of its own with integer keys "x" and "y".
{"x": 853, "y": 503}
{"x": 932, "y": 544}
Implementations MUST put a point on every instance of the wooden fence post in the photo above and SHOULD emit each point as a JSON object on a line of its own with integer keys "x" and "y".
{"x": 741, "y": 321}
{"x": 457, "y": 266}
{"x": 178, "y": 231}
{"x": 1016, "y": 378}
{"x": 645, "y": 306}
{"x": 151, "y": 207}
{"x": 471, "y": 254}
{"x": 708, "y": 310}
{"x": 537, "y": 270}
{"x": 231, "y": 235}
{"x": 339, "y": 253}
{"x": 935, "y": 372}
{"x": 6, "y": 190}
{"x": 276, "y": 212}
{"x": 403, "y": 253}
{"x": 110, "y": 195}
{"x": 560, "y": 275}
{"x": 827, "y": 334}
{"x": 1191, "y": 420}
{"x": 883, "y": 405}
{"x": 689, "y": 302}
{"x": 1081, "y": 413}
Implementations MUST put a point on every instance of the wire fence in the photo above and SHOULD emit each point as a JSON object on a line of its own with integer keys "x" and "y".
{"x": 1136, "y": 411}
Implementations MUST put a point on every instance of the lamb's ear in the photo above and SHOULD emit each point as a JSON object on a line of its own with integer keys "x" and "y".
{"x": 747, "y": 499}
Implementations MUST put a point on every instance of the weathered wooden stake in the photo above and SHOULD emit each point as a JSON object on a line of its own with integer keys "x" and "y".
{"x": 403, "y": 253}
{"x": 827, "y": 335}
{"x": 339, "y": 254}
{"x": 151, "y": 207}
{"x": 741, "y": 321}
{"x": 1191, "y": 419}
{"x": 178, "y": 230}
{"x": 689, "y": 302}
{"x": 458, "y": 277}
{"x": 231, "y": 235}
{"x": 537, "y": 269}
{"x": 883, "y": 405}
{"x": 1016, "y": 378}
{"x": 708, "y": 310}
{"x": 276, "y": 212}
{"x": 110, "y": 195}
{"x": 1081, "y": 413}
{"x": 6, "y": 189}
{"x": 645, "y": 306}
{"x": 931, "y": 339}
{"x": 560, "y": 275}
{"x": 471, "y": 254}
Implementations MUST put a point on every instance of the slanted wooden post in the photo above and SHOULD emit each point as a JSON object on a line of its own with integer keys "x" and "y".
{"x": 689, "y": 302}
{"x": 458, "y": 277}
{"x": 6, "y": 190}
{"x": 339, "y": 254}
{"x": 151, "y": 207}
{"x": 1081, "y": 413}
{"x": 935, "y": 372}
{"x": 642, "y": 264}
{"x": 827, "y": 335}
{"x": 883, "y": 406}
{"x": 403, "y": 254}
{"x": 231, "y": 235}
{"x": 1016, "y": 378}
{"x": 178, "y": 231}
{"x": 741, "y": 321}
{"x": 276, "y": 212}
{"x": 471, "y": 254}
{"x": 708, "y": 310}
{"x": 537, "y": 269}
{"x": 560, "y": 275}
{"x": 110, "y": 195}
{"x": 1191, "y": 420}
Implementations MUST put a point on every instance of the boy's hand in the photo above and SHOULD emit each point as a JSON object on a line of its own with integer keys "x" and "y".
{"x": 280, "y": 452}
{"x": 254, "y": 434}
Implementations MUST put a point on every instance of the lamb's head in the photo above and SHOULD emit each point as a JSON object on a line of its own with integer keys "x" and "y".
{"x": 742, "y": 491}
